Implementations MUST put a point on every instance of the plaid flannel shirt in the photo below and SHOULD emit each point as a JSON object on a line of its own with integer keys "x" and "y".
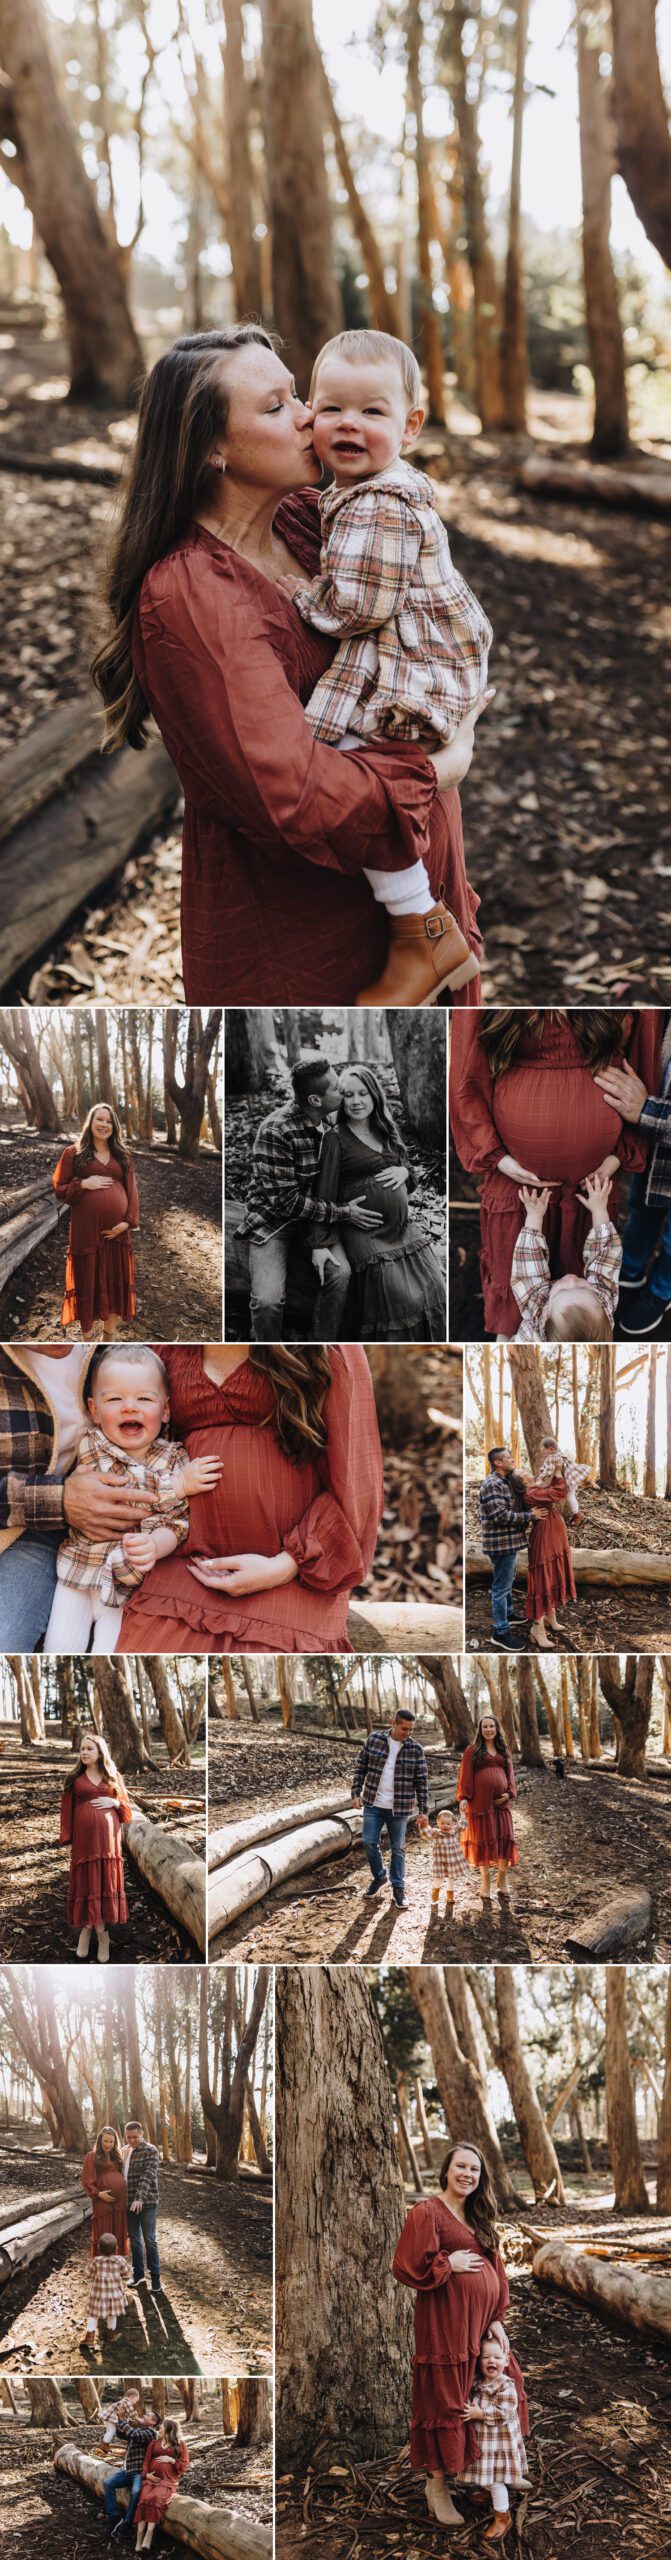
{"x": 107, "y": 2287}
{"x": 99, "y": 1564}
{"x": 530, "y": 1276}
{"x": 574, "y": 1473}
{"x": 136, "y": 2434}
{"x": 498, "y": 2434}
{"x": 414, "y": 641}
{"x": 282, "y": 1184}
{"x": 411, "y": 1777}
{"x": 31, "y": 1496}
{"x": 447, "y": 1857}
{"x": 655, "y": 1120}
{"x": 504, "y": 1525}
{"x": 142, "y": 2173}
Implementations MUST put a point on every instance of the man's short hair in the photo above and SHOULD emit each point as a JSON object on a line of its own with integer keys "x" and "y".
{"x": 496, "y": 1453}
{"x": 376, "y": 347}
{"x": 311, "y": 1071}
{"x": 133, "y": 2125}
{"x": 404, "y": 1715}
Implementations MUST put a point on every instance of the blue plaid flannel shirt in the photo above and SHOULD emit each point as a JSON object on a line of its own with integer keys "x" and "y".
{"x": 411, "y": 1777}
{"x": 656, "y": 1121}
{"x": 282, "y": 1182}
{"x": 504, "y": 1524}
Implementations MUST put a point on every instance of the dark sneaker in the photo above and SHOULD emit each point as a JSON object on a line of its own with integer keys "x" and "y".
{"x": 400, "y": 1901}
{"x": 375, "y": 1886}
{"x": 644, "y": 1314}
{"x": 510, "y": 1643}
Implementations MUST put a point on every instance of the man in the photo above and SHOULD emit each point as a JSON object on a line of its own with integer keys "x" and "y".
{"x": 42, "y": 1419}
{"x": 282, "y": 1206}
{"x": 140, "y": 2162}
{"x": 136, "y": 2432}
{"x": 645, "y": 1277}
{"x": 505, "y": 1524}
{"x": 391, "y": 1774}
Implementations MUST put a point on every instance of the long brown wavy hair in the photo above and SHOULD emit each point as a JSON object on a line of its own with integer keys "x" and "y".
{"x": 480, "y": 2207}
{"x": 600, "y": 1032}
{"x": 183, "y": 412}
{"x": 500, "y": 1744}
{"x": 85, "y": 1146}
{"x": 300, "y": 1379}
{"x": 113, "y": 1775}
{"x": 116, "y": 2155}
{"x": 382, "y": 1119}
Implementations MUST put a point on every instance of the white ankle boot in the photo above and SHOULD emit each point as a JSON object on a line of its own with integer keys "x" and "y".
{"x": 84, "y": 1941}
{"x": 103, "y": 1946}
{"x": 441, "y": 2501}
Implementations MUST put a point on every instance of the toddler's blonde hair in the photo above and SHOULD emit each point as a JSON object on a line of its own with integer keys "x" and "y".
{"x": 581, "y": 1319}
{"x": 356, "y": 344}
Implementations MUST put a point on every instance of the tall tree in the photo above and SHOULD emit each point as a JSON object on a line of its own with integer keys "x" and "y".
{"x": 189, "y": 1093}
{"x": 514, "y": 346}
{"x": 344, "y": 2332}
{"x": 417, "y": 1047}
{"x": 610, "y": 431}
{"x": 430, "y": 329}
{"x": 463, "y": 2099}
{"x": 531, "y": 1747}
{"x": 255, "y": 2417}
{"x": 539, "y": 2151}
{"x": 607, "y": 1451}
{"x": 240, "y": 223}
{"x": 629, "y": 1696}
{"x": 383, "y": 311}
{"x": 451, "y": 1702}
{"x": 664, "y": 2129}
{"x": 534, "y": 1410}
{"x": 631, "y": 2194}
{"x": 486, "y": 295}
{"x": 650, "y": 1460}
{"x": 306, "y": 300}
{"x": 643, "y": 138}
{"x": 119, "y": 1720}
{"x": 17, "y": 1038}
{"x": 105, "y": 353}
{"x": 225, "y": 2112}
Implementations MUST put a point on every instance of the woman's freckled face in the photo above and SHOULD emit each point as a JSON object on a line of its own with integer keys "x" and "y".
{"x": 268, "y": 438}
{"x": 357, "y": 1101}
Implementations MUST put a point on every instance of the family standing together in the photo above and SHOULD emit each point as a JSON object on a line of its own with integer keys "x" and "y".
{"x": 469, "y": 2408}
{"x": 518, "y": 1511}
{"x": 391, "y": 1785}
{"x": 329, "y": 1174}
{"x": 122, "y": 2183}
{"x": 185, "y": 1499}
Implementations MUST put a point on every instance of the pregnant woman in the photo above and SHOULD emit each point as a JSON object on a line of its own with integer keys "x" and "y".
{"x": 275, "y": 1551}
{"x": 97, "y": 1178}
{"x": 398, "y": 1288}
{"x": 525, "y": 1107}
{"x": 94, "y": 1808}
{"x": 103, "y": 2180}
{"x": 486, "y": 1784}
{"x": 447, "y": 2253}
{"x": 220, "y": 506}
{"x": 550, "y": 1578}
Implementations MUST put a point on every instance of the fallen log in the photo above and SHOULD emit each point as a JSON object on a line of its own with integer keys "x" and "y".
{"x": 49, "y": 866}
{"x": 46, "y": 758}
{"x": 58, "y": 466}
{"x": 20, "y": 1235}
{"x": 234, "y": 1889}
{"x": 235, "y": 1837}
{"x": 641, "y": 2302}
{"x": 590, "y": 1564}
{"x": 200, "y": 2527}
{"x": 41, "y": 2203}
{"x": 614, "y": 1929}
{"x": 172, "y": 1869}
{"x": 598, "y": 483}
{"x": 414, "y": 1626}
{"x": 28, "y": 2237}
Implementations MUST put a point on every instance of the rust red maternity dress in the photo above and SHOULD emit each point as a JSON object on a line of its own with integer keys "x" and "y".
{"x": 99, "y": 1273}
{"x": 547, "y": 1111}
{"x": 278, "y": 828}
{"x": 96, "y": 1893}
{"x": 550, "y": 1577}
{"x": 490, "y": 1835}
{"x": 326, "y": 1513}
{"x": 97, "y": 2173}
{"x": 453, "y": 2311}
{"x": 158, "y": 2483}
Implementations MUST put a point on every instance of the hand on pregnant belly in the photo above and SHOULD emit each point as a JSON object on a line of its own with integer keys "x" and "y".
{"x": 462, "y": 2260}
{"x": 241, "y": 1574}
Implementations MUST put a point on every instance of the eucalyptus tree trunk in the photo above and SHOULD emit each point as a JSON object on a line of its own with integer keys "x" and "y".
{"x": 306, "y": 298}
{"x": 105, "y": 354}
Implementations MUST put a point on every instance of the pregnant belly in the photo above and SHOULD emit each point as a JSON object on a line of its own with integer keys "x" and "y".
{"x": 557, "y": 1125}
{"x": 97, "y": 1210}
{"x": 260, "y": 1496}
{"x": 391, "y": 1206}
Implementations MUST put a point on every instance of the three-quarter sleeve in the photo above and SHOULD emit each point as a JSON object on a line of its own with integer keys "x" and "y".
{"x": 465, "y": 1780}
{"x": 476, "y": 1137}
{"x": 510, "y": 1774}
{"x": 504, "y": 2290}
{"x": 643, "y": 1051}
{"x": 208, "y": 634}
{"x": 421, "y": 2259}
{"x": 67, "y": 1816}
{"x": 89, "y": 2175}
{"x": 334, "y": 1543}
{"x": 67, "y": 1185}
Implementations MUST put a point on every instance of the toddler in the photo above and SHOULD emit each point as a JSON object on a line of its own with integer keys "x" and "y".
{"x": 108, "y": 2279}
{"x": 577, "y": 1308}
{"x": 574, "y": 1474}
{"x": 412, "y": 661}
{"x": 447, "y": 1857}
{"x": 501, "y": 2461}
{"x": 127, "y": 1399}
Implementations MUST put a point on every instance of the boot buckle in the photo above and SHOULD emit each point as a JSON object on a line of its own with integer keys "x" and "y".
{"x": 434, "y": 926}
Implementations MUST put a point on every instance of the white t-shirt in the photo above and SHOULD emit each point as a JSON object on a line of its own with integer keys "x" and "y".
{"x": 61, "y": 1382}
{"x": 385, "y": 1793}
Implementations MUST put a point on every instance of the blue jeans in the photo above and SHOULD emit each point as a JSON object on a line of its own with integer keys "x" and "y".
{"x": 376, "y": 1819}
{"x": 142, "y": 2230}
{"x": 648, "y": 1225}
{"x": 503, "y": 1576}
{"x": 27, "y": 1586}
{"x": 121, "y": 2480}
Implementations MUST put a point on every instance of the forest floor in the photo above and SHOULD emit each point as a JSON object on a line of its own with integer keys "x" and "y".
{"x": 178, "y": 1250}
{"x": 214, "y": 2314}
{"x": 467, "y": 1314}
{"x": 580, "y": 1842}
{"x": 566, "y": 807}
{"x": 419, "y": 1547}
{"x": 243, "y": 1117}
{"x": 627, "y": 1618}
{"x": 34, "y": 1869}
{"x": 43, "y": 2513}
{"x": 600, "y": 2474}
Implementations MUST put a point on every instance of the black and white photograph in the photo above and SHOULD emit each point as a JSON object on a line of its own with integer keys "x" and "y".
{"x": 335, "y": 1175}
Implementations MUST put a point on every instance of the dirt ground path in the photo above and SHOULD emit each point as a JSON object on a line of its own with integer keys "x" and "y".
{"x": 178, "y": 1250}
{"x": 579, "y": 1842}
{"x": 599, "y": 2464}
{"x": 34, "y": 1869}
{"x": 214, "y": 2315}
{"x": 44, "y": 2514}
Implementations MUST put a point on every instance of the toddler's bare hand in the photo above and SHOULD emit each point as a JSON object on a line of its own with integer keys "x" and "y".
{"x": 536, "y": 1204}
{"x": 138, "y": 1546}
{"x": 201, "y": 1474}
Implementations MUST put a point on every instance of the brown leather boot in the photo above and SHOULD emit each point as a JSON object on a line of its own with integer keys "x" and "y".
{"x": 427, "y": 957}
